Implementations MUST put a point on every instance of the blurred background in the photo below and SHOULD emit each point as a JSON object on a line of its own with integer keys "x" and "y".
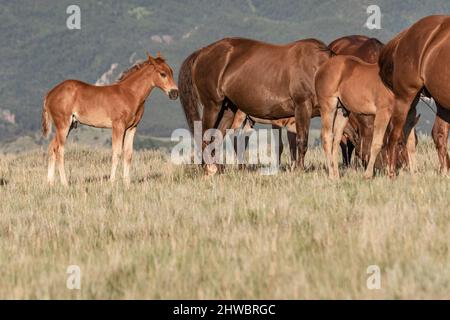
{"x": 38, "y": 50}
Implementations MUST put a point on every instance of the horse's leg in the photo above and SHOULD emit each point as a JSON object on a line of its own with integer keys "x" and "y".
{"x": 226, "y": 123}
{"x": 280, "y": 142}
{"x": 327, "y": 112}
{"x": 118, "y": 133}
{"x": 340, "y": 122}
{"x": 440, "y": 138}
{"x": 238, "y": 122}
{"x": 292, "y": 139}
{"x": 211, "y": 111}
{"x": 303, "y": 113}
{"x": 344, "y": 149}
{"x": 350, "y": 149}
{"x": 128, "y": 154}
{"x": 381, "y": 123}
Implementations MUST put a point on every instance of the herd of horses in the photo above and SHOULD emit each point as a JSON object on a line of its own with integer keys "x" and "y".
{"x": 364, "y": 91}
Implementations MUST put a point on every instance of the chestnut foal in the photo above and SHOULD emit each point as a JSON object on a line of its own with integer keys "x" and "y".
{"x": 346, "y": 84}
{"x": 119, "y": 106}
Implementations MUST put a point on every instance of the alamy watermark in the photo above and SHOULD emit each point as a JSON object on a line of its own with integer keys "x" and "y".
{"x": 73, "y": 21}
{"x": 251, "y": 147}
{"x": 374, "y": 20}
{"x": 374, "y": 280}
{"x": 73, "y": 281}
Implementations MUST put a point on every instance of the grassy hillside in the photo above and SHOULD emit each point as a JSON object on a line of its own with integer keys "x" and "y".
{"x": 38, "y": 51}
{"x": 176, "y": 234}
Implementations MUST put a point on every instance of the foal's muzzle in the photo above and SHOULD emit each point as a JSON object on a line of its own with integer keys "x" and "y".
{"x": 173, "y": 94}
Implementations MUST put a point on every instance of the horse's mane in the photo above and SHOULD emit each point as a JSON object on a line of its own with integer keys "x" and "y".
{"x": 136, "y": 66}
{"x": 386, "y": 59}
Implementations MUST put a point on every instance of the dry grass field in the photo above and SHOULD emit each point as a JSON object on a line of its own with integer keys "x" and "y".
{"x": 175, "y": 234}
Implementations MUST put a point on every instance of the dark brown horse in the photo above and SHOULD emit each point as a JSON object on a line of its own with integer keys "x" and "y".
{"x": 418, "y": 59}
{"x": 119, "y": 106}
{"x": 264, "y": 80}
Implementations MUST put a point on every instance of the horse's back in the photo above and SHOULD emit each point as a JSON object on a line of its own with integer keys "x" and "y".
{"x": 245, "y": 70}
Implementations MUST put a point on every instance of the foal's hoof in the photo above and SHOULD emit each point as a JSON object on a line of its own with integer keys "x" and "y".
{"x": 368, "y": 176}
{"x": 210, "y": 170}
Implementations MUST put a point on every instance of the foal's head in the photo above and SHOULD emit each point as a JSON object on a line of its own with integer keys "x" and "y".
{"x": 162, "y": 76}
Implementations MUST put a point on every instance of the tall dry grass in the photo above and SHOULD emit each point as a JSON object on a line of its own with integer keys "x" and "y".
{"x": 175, "y": 234}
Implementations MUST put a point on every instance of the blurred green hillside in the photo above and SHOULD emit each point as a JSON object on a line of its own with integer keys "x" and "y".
{"x": 38, "y": 51}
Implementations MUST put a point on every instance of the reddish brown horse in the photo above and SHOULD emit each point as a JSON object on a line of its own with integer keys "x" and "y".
{"x": 119, "y": 106}
{"x": 418, "y": 58}
{"x": 264, "y": 80}
{"x": 344, "y": 85}
{"x": 359, "y": 130}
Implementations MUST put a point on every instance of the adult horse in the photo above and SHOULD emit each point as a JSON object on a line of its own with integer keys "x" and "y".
{"x": 264, "y": 80}
{"x": 359, "y": 130}
{"x": 119, "y": 106}
{"x": 418, "y": 58}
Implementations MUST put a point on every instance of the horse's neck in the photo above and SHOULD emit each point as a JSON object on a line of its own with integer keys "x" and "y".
{"x": 139, "y": 84}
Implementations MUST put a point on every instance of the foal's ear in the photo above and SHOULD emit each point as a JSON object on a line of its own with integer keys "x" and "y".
{"x": 159, "y": 56}
{"x": 150, "y": 58}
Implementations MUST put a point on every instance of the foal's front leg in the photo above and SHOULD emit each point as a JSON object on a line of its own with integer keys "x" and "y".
{"x": 118, "y": 132}
{"x": 128, "y": 153}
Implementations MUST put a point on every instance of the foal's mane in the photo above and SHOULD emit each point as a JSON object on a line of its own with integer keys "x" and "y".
{"x": 386, "y": 59}
{"x": 136, "y": 66}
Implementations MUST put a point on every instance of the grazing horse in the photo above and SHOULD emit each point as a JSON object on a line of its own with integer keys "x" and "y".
{"x": 119, "y": 106}
{"x": 359, "y": 130}
{"x": 264, "y": 80}
{"x": 347, "y": 84}
{"x": 417, "y": 59}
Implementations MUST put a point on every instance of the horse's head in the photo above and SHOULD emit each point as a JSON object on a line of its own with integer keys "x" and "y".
{"x": 163, "y": 76}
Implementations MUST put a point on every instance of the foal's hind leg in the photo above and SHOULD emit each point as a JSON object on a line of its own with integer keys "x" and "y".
{"x": 118, "y": 132}
{"x": 440, "y": 138}
{"x": 380, "y": 125}
{"x": 56, "y": 154}
{"x": 61, "y": 135}
{"x": 340, "y": 122}
{"x": 52, "y": 149}
{"x": 328, "y": 111}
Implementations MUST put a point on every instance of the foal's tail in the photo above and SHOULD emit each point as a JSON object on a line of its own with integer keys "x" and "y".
{"x": 46, "y": 120}
{"x": 188, "y": 93}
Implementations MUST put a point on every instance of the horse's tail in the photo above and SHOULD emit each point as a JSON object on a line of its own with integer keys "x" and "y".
{"x": 188, "y": 92}
{"x": 46, "y": 120}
